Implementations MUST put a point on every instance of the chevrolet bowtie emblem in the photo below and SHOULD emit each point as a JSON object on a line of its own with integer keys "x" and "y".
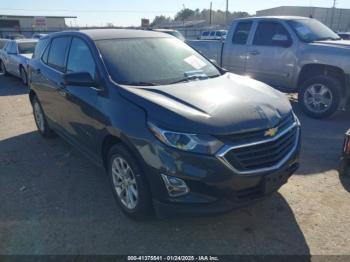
{"x": 271, "y": 131}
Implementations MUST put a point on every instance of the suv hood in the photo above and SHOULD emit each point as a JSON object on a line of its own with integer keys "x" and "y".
{"x": 222, "y": 105}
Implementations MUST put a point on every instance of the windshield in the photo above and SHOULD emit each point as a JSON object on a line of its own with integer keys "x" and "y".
{"x": 26, "y": 47}
{"x": 157, "y": 61}
{"x": 310, "y": 30}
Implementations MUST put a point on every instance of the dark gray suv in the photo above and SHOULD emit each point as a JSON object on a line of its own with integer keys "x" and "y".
{"x": 175, "y": 133}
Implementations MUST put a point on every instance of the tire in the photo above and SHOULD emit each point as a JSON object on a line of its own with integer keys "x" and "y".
{"x": 40, "y": 120}
{"x": 139, "y": 205}
{"x": 3, "y": 69}
{"x": 24, "y": 76}
{"x": 320, "y": 96}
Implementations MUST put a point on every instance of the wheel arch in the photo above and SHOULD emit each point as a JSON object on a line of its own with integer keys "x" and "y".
{"x": 311, "y": 70}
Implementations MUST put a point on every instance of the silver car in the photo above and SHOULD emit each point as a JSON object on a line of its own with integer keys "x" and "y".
{"x": 14, "y": 57}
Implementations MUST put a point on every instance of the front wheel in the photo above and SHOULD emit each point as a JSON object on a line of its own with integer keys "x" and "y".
{"x": 2, "y": 68}
{"x": 128, "y": 183}
{"x": 319, "y": 97}
{"x": 40, "y": 120}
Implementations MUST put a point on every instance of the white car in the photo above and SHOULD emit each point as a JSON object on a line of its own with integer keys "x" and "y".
{"x": 14, "y": 57}
{"x": 214, "y": 35}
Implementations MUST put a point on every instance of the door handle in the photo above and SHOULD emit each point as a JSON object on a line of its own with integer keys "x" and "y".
{"x": 38, "y": 71}
{"x": 254, "y": 52}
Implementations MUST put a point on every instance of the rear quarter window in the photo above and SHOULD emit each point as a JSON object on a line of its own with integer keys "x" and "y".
{"x": 40, "y": 48}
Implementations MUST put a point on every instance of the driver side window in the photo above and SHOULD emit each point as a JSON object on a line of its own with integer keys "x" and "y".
{"x": 271, "y": 34}
{"x": 80, "y": 58}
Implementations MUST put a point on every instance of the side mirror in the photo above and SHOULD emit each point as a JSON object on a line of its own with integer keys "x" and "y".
{"x": 281, "y": 40}
{"x": 79, "y": 79}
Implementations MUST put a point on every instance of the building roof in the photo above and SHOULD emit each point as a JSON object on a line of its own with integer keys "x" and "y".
{"x": 306, "y": 7}
{"x": 32, "y": 16}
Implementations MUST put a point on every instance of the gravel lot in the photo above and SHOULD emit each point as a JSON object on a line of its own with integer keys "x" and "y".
{"x": 54, "y": 201}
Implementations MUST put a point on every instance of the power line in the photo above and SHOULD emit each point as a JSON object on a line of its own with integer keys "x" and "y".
{"x": 89, "y": 11}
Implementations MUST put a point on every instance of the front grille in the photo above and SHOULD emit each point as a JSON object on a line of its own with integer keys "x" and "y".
{"x": 263, "y": 155}
{"x": 252, "y": 136}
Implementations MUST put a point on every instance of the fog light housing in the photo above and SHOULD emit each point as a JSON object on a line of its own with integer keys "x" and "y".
{"x": 175, "y": 186}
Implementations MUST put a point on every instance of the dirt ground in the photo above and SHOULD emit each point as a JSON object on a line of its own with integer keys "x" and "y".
{"x": 54, "y": 201}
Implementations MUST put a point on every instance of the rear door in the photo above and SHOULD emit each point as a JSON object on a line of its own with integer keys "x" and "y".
{"x": 50, "y": 78}
{"x": 234, "y": 56}
{"x": 9, "y": 57}
{"x": 80, "y": 102}
{"x": 272, "y": 54}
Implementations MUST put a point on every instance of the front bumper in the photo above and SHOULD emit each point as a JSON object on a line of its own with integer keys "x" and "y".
{"x": 230, "y": 200}
{"x": 214, "y": 188}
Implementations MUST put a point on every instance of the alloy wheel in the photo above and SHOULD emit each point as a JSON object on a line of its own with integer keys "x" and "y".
{"x": 39, "y": 117}
{"x": 124, "y": 183}
{"x": 318, "y": 98}
{"x": 2, "y": 68}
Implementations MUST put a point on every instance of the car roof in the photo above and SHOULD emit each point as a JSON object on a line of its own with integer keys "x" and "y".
{"x": 104, "y": 34}
{"x": 26, "y": 40}
{"x": 274, "y": 18}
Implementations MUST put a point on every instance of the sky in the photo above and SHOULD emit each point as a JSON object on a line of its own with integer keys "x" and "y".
{"x": 130, "y": 12}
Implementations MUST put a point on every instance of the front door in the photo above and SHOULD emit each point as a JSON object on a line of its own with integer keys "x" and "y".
{"x": 80, "y": 102}
{"x": 271, "y": 57}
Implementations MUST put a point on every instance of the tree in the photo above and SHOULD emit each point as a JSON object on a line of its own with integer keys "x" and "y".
{"x": 159, "y": 20}
{"x": 184, "y": 14}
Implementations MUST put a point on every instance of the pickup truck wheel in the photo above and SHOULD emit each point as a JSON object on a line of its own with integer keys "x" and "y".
{"x": 3, "y": 69}
{"x": 319, "y": 97}
{"x": 128, "y": 185}
{"x": 40, "y": 120}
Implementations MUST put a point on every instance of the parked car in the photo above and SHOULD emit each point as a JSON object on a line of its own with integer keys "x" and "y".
{"x": 38, "y": 35}
{"x": 13, "y": 36}
{"x": 294, "y": 54}
{"x": 344, "y": 35}
{"x": 214, "y": 35}
{"x": 3, "y": 42}
{"x": 172, "y": 32}
{"x": 14, "y": 57}
{"x": 173, "y": 131}
{"x": 344, "y": 168}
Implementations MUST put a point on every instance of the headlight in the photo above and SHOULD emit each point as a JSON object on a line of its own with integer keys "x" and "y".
{"x": 204, "y": 144}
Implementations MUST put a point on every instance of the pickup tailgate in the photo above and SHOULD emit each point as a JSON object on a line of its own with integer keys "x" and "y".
{"x": 209, "y": 48}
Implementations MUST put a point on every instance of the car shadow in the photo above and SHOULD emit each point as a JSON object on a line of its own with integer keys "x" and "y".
{"x": 11, "y": 86}
{"x": 56, "y": 202}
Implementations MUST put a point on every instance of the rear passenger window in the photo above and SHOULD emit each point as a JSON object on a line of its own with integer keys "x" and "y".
{"x": 57, "y": 54}
{"x": 212, "y": 33}
{"x": 80, "y": 58}
{"x": 205, "y": 33}
{"x": 241, "y": 34}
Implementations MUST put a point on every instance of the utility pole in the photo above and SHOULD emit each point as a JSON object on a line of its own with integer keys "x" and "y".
{"x": 226, "y": 12}
{"x": 210, "y": 12}
{"x": 333, "y": 11}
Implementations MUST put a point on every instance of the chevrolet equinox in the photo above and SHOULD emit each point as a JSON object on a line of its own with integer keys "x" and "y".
{"x": 175, "y": 133}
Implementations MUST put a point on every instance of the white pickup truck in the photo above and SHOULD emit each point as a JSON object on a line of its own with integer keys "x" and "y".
{"x": 293, "y": 54}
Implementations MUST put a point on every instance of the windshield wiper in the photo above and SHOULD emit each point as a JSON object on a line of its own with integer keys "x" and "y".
{"x": 327, "y": 38}
{"x": 190, "y": 78}
{"x": 140, "y": 83}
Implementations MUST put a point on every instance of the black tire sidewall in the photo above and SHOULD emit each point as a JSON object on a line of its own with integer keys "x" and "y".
{"x": 47, "y": 132}
{"x": 332, "y": 84}
{"x": 23, "y": 71}
{"x": 143, "y": 207}
{"x": 4, "y": 68}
